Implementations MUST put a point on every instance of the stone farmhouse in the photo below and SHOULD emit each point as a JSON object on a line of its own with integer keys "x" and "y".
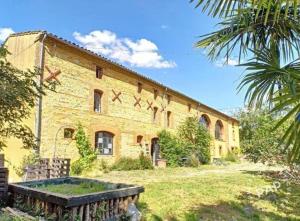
{"x": 121, "y": 110}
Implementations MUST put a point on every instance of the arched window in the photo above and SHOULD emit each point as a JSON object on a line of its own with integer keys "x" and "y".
{"x": 139, "y": 139}
{"x": 205, "y": 121}
{"x": 104, "y": 142}
{"x": 219, "y": 130}
{"x": 169, "y": 115}
{"x": 97, "y": 101}
{"x": 155, "y": 113}
{"x": 69, "y": 133}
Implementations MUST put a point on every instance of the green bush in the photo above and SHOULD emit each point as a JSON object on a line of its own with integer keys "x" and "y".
{"x": 30, "y": 159}
{"x": 87, "y": 154}
{"x": 232, "y": 156}
{"x": 127, "y": 163}
{"x": 195, "y": 139}
{"x": 77, "y": 167}
{"x": 193, "y": 161}
{"x": 192, "y": 142}
{"x": 145, "y": 162}
{"x": 170, "y": 149}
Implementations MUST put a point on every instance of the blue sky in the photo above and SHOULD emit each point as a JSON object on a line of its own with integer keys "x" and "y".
{"x": 154, "y": 37}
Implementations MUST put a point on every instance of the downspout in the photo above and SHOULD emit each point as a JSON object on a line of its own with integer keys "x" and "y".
{"x": 38, "y": 113}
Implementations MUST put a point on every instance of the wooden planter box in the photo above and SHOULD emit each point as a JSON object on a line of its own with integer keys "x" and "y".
{"x": 106, "y": 205}
{"x": 3, "y": 184}
{"x": 1, "y": 160}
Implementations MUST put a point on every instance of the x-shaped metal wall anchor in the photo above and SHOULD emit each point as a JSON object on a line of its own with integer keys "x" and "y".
{"x": 149, "y": 105}
{"x": 137, "y": 101}
{"x": 53, "y": 74}
{"x": 117, "y": 96}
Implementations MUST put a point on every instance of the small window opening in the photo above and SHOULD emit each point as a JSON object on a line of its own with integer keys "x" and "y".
{"x": 68, "y": 133}
{"x": 140, "y": 87}
{"x": 99, "y": 72}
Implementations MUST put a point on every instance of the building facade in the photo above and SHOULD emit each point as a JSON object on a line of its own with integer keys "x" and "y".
{"x": 121, "y": 110}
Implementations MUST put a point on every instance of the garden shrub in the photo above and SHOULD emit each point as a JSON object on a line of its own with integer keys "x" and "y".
{"x": 30, "y": 159}
{"x": 195, "y": 139}
{"x": 170, "y": 149}
{"x": 87, "y": 154}
{"x": 232, "y": 156}
{"x": 193, "y": 161}
{"x": 192, "y": 142}
{"x": 127, "y": 163}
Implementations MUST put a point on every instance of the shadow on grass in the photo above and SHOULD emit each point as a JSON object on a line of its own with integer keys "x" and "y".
{"x": 284, "y": 203}
{"x": 282, "y": 193}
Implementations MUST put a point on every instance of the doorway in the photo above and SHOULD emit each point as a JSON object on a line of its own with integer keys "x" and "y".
{"x": 154, "y": 150}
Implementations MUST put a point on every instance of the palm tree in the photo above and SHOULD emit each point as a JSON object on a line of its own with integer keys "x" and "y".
{"x": 245, "y": 30}
{"x": 268, "y": 30}
{"x": 268, "y": 80}
{"x": 225, "y": 8}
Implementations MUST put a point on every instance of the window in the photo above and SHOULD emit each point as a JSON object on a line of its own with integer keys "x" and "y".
{"x": 139, "y": 139}
{"x": 169, "y": 98}
{"x": 99, "y": 72}
{"x": 169, "y": 114}
{"x": 205, "y": 121}
{"x": 220, "y": 150}
{"x": 233, "y": 132}
{"x": 104, "y": 142}
{"x": 68, "y": 133}
{"x": 219, "y": 130}
{"x": 189, "y": 107}
{"x": 155, "y": 111}
{"x": 155, "y": 93}
{"x": 97, "y": 101}
{"x": 140, "y": 87}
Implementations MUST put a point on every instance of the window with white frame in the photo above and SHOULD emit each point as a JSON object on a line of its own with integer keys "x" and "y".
{"x": 104, "y": 142}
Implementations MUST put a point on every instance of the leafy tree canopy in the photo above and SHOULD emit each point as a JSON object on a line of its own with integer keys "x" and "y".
{"x": 19, "y": 91}
{"x": 258, "y": 139}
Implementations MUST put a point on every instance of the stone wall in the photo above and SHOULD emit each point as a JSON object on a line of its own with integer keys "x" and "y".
{"x": 73, "y": 103}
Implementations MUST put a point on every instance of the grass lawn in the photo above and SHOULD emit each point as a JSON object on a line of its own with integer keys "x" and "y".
{"x": 211, "y": 193}
{"x": 229, "y": 193}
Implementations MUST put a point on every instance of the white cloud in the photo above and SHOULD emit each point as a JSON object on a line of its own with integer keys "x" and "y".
{"x": 164, "y": 26}
{"x": 227, "y": 62}
{"x": 4, "y": 33}
{"x": 139, "y": 53}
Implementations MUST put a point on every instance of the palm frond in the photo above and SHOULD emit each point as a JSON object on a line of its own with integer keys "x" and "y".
{"x": 225, "y": 8}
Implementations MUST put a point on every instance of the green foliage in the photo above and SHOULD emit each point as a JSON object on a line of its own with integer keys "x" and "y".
{"x": 192, "y": 141}
{"x": 254, "y": 25}
{"x": 258, "y": 139}
{"x": 232, "y": 156}
{"x": 87, "y": 155}
{"x": 193, "y": 161}
{"x": 18, "y": 93}
{"x": 126, "y": 163}
{"x": 269, "y": 30}
{"x": 83, "y": 144}
{"x": 30, "y": 159}
{"x": 170, "y": 149}
{"x": 195, "y": 139}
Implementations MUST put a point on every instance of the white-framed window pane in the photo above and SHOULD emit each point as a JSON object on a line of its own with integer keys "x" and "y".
{"x": 104, "y": 143}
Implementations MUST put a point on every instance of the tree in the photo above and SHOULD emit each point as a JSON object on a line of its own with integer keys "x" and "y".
{"x": 259, "y": 142}
{"x": 267, "y": 30}
{"x": 226, "y": 8}
{"x": 170, "y": 148}
{"x": 195, "y": 139}
{"x": 19, "y": 91}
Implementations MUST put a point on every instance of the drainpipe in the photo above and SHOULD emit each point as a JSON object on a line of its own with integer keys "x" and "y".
{"x": 38, "y": 113}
